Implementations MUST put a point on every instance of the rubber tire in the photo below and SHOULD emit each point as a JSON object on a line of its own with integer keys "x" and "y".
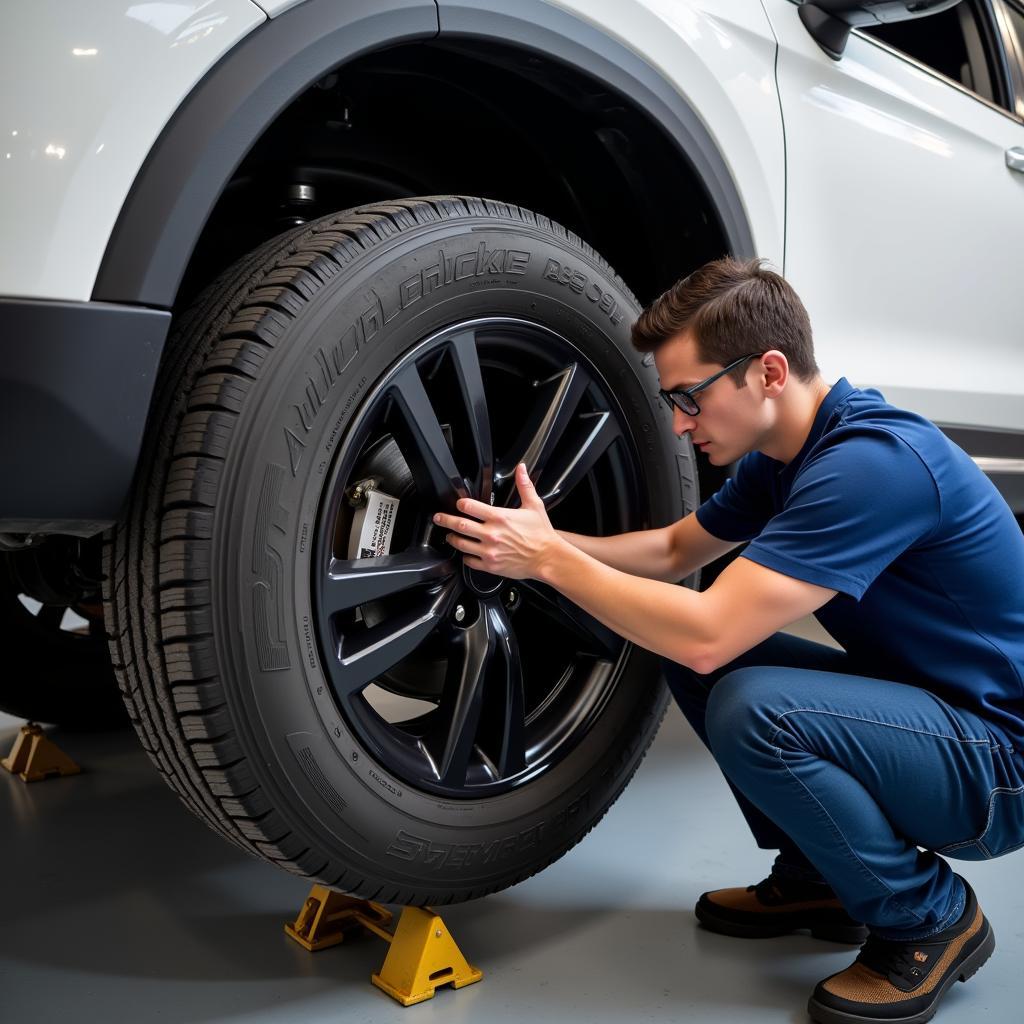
{"x": 246, "y": 744}
{"x": 52, "y": 675}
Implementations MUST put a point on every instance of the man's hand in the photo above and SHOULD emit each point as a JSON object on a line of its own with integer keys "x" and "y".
{"x": 745, "y": 605}
{"x": 510, "y": 542}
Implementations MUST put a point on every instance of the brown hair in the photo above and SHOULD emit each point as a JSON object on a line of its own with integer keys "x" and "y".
{"x": 732, "y": 307}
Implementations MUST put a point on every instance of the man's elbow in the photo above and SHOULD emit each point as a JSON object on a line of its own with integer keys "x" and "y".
{"x": 702, "y": 659}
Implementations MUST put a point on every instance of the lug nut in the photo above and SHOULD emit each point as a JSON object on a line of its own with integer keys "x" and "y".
{"x": 357, "y": 496}
{"x": 460, "y": 613}
{"x": 511, "y": 597}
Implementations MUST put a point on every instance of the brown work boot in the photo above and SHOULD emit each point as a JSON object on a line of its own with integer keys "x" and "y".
{"x": 777, "y": 906}
{"x": 904, "y": 981}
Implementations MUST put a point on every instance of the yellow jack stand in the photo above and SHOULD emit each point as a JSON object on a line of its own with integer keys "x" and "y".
{"x": 34, "y": 757}
{"x": 422, "y": 956}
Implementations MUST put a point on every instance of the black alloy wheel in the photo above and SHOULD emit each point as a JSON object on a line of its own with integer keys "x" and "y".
{"x": 508, "y": 672}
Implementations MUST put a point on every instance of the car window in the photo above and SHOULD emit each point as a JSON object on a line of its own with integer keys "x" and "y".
{"x": 958, "y": 43}
{"x": 1015, "y": 16}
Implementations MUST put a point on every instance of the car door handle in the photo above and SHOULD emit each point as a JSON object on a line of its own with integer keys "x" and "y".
{"x": 1015, "y": 158}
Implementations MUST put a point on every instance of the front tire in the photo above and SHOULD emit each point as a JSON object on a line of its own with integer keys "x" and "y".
{"x": 392, "y": 726}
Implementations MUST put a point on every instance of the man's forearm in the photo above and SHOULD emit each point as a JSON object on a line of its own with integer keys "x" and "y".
{"x": 646, "y": 553}
{"x": 669, "y": 620}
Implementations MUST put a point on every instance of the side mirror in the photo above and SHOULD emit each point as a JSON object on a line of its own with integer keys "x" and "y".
{"x": 829, "y": 21}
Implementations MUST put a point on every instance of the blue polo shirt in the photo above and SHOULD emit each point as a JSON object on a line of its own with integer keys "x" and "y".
{"x": 925, "y": 554}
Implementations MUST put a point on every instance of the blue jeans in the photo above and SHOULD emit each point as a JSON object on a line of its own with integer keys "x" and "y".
{"x": 847, "y": 774}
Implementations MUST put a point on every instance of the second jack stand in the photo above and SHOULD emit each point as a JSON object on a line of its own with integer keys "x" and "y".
{"x": 35, "y": 757}
{"x": 422, "y": 955}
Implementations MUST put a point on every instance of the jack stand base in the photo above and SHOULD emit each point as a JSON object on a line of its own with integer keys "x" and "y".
{"x": 328, "y": 916}
{"x": 35, "y": 757}
{"x": 423, "y": 955}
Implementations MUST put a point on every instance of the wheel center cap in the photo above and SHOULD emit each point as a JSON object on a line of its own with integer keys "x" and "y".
{"x": 483, "y": 584}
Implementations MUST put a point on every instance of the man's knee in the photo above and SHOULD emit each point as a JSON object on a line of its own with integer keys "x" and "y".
{"x": 742, "y": 712}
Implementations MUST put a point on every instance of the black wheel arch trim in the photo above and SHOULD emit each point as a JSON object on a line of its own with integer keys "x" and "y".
{"x": 226, "y": 113}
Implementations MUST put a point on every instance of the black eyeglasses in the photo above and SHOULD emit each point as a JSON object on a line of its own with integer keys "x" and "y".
{"x": 682, "y": 398}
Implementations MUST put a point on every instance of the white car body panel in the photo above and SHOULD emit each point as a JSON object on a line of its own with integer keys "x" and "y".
{"x": 88, "y": 89}
{"x": 903, "y": 228}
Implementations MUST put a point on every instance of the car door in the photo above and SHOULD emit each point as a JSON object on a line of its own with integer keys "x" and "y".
{"x": 904, "y": 221}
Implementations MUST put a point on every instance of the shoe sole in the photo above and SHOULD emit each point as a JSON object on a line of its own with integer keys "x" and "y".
{"x": 850, "y": 934}
{"x": 826, "y": 1015}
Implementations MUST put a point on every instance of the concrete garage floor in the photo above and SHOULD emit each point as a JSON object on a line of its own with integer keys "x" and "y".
{"x": 114, "y": 901}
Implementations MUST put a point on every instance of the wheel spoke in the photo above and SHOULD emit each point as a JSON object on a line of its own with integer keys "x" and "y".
{"x": 557, "y": 403}
{"x": 422, "y": 441}
{"x": 600, "y": 431}
{"x": 471, "y": 386}
{"x": 364, "y": 657}
{"x": 351, "y": 582}
{"x": 512, "y": 755}
{"x": 458, "y": 715}
{"x": 596, "y": 637}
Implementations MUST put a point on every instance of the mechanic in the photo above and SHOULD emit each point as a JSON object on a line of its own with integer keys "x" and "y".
{"x": 846, "y": 761}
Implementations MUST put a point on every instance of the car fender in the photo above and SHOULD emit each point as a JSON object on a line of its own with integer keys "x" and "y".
{"x": 195, "y": 156}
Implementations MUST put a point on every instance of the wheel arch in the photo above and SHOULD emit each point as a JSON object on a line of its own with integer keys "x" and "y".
{"x": 238, "y": 101}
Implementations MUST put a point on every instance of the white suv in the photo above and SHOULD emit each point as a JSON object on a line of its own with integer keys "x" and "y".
{"x": 281, "y": 279}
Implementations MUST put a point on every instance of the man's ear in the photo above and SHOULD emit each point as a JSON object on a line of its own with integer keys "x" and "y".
{"x": 774, "y": 372}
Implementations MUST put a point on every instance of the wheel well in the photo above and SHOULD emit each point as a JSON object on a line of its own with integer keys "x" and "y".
{"x": 472, "y": 117}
